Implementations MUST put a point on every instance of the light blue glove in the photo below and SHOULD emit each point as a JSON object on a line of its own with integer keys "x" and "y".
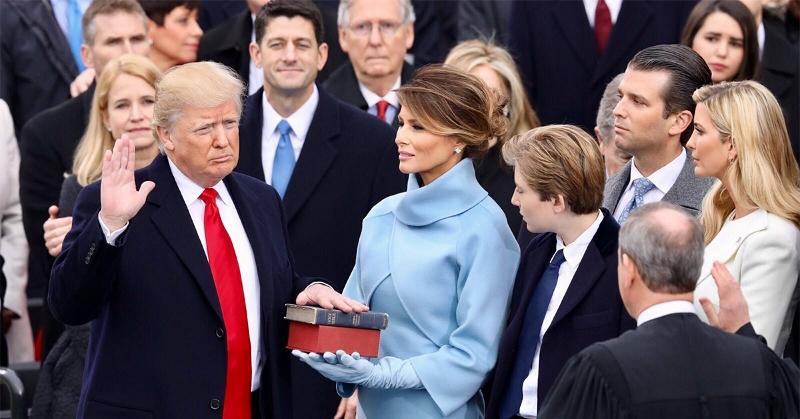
{"x": 388, "y": 373}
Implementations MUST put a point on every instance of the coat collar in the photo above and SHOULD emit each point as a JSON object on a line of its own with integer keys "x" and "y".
{"x": 451, "y": 194}
{"x": 727, "y": 242}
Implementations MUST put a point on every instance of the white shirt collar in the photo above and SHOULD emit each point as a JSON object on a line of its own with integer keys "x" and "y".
{"x": 372, "y": 98}
{"x": 614, "y": 7}
{"x": 761, "y": 36}
{"x": 190, "y": 191}
{"x": 300, "y": 120}
{"x": 573, "y": 252}
{"x": 664, "y": 177}
{"x": 664, "y": 309}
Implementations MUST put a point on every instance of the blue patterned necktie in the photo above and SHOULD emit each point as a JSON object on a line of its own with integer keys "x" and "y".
{"x": 75, "y": 31}
{"x": 283, "y": 164}
{"x": 641, "y": 186}
{"x": 529, "y": 336}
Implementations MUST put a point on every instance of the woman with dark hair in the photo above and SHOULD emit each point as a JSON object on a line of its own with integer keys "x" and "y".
{"x": 439, "y": 259}
{"x": 172, "y": 26}
{"x": 723, "y": 32}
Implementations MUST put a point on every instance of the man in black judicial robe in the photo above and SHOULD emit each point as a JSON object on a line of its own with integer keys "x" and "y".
{"x": 672, "y": 365}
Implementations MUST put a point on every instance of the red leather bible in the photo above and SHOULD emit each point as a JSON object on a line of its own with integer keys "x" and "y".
{"x": 320, "y": 338}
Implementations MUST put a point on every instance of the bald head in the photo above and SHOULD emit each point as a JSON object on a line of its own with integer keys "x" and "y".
{"x": 666, "y": 245}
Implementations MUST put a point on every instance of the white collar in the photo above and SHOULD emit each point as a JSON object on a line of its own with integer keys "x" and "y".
{"x": 300, "y": 120}
{"x": 190, "y": 191}
{"x": 665, "y": 177}
{"x": 761, "y": 36}
{"x": 664, "y": 309}
{"x": 573, "y": 252}
{"x": 372, "y": 98}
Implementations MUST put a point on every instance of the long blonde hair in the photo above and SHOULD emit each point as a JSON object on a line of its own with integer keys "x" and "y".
{"x": 473, "y": 53}
{"x": 764, "y": 171}
{"x": 88, "y": 163}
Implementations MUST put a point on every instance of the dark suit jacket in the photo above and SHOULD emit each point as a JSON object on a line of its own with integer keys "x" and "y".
{"x": 228, "y": 44}
{"x": 675, "y": 366}
{"x": 47, "y": 147}
{"x": 591, "y": 311}
{"x": 157, "y": 346}
{"x": 558, "y": 58}
{"x": 347, "y": 165}
{"x": 343, "y": 85}
{"x": 36, "y": 66}
{"x": 780, "y": 70}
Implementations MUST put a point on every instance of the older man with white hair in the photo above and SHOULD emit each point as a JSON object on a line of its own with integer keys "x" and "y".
{"x": 184, "y": 267}
{"x": 376, "y": 35}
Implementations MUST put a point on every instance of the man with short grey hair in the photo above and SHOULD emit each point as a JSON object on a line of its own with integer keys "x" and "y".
{"x": 376, "y": 35}
{"x": 613, "y": 157}
{"x": 672, "y": 365}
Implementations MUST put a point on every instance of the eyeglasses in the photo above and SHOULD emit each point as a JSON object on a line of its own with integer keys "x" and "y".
{"x": 386, "y": 29}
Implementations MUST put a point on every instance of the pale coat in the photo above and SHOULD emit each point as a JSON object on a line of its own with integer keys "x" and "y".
{"x": 13, "y": 245}
{"x": 449, "y": 260}
{"x": 762, "y": 252}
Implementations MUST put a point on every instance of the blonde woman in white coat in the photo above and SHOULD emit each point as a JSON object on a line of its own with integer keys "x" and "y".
{"x": 751, "y": 216}
{"x": 13, "y": 246}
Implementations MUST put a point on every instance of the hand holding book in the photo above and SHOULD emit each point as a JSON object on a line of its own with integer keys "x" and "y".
{"x": 388, "y": 373}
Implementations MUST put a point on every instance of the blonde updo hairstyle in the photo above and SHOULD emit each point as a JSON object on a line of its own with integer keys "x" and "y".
{"x": 452, "y": 103}
{"x": 468, "y": 55}
{"x": 764, "y": 172}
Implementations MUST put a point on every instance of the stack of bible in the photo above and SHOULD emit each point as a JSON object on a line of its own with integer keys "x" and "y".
{"x": 315, "y": 329}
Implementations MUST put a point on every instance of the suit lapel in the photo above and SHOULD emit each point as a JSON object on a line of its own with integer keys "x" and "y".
{"x": 688, "y": 190}
{"x": 39, "y": 15}
{"x": 172, "y": 220}
{"x": 528, "y": 276}
{"x": 616, "y": 185}
{"x": 634, "y": 16}
{"x": 728, "y": 241}
{"x": 250, "y": 137}
{"x": 317, "y": 155}
{"x": 572, "y": 19}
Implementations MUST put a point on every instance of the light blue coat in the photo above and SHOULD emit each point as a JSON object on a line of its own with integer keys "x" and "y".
{"x": 441, "y": 260}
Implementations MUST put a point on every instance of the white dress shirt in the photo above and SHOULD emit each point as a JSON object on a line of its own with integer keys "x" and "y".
{"x": 300, "y": 121}
{"x": 573, "y": 253}
{"x": 190, "y": 192}
{"x": 664, "y": 309}
{"x": 255, "y": 80}
{"x": 663, "y": 179}
{"x": 372, "y": 99}
{"x": 613, "y": 6}
{"x": 761, "y": 36}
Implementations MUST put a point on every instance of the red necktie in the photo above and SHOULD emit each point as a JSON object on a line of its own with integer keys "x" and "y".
{"x": 382, "y": 105}
{"x": 602, "y": 25}
{"x": 228, "y": 281}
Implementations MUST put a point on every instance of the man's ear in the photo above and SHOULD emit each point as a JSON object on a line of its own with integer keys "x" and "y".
{"x": 86, "y": 56}
{"x": 165, "y": 138}
{"x": 323, "y": 56}
{"x": 630, "y": 269}
{"x": 560, "y": 204}
{"x": 410, "y": 37}
{"x": 681, "y": 121}
{"x": 344, "y": 41}
{"x": 255, "y": 54}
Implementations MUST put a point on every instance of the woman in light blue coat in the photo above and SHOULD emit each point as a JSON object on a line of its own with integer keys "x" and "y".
{"x": 439, "y": 259}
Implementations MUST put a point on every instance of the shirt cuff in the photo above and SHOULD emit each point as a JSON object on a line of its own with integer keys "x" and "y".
{"x": 311, "y": 284}
{"x": 112, "y": 236}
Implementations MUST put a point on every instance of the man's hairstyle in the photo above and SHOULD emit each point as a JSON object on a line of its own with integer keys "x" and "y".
{"x": 687, "y": 72}
{"x": 668, "y": 255}
{"x": 108, "y": 7}
{"x": 178, "y": 90}
{"x": 407, "y": 14}
{"x": 305, "y": 9}
{"x": 157, "y": 10}
{"x": 605, "y": 112}
{"x": 737, "y": 11}
{"x": 560, "y": 160}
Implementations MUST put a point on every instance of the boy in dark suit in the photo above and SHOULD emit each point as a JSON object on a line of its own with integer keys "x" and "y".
{"x": 565, "y": 297}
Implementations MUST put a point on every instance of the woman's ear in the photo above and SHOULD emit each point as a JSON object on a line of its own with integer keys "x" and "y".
{"x": 732, "y": 153}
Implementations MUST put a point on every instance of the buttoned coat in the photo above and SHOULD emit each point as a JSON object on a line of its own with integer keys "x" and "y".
{"x": 157, "y": 346}
{"x": 762, "y": 252}
{"x": 445, "y": 252}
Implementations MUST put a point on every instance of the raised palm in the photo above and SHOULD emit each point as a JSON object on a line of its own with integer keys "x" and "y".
{"x": 119, "y": 199}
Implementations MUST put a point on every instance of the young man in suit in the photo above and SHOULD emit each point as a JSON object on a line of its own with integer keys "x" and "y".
{"x": 565, "y": 296}
{"x": 376, "y": 35}
{"x": 673, "y": 365}
{"x": 47, "y": 144}
{"x": 330, "y": 162}
{"x": 652, "y": 122}
{"x": 184, "y": 269}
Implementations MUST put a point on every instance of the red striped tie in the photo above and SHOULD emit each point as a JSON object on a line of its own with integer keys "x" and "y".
{"x": 228, "y": 281}
{"x": 602, "y": 25}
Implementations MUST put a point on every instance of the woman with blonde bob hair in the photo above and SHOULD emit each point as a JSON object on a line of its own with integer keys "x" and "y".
{"x": 495, "y": 67}
{"x": 751, "y": 217}
{"x": 439, "y": 259}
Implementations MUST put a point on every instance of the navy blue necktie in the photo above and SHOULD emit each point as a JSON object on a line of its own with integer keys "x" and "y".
{"x": 529, "y": 336}
{"x": 283, "y": 164}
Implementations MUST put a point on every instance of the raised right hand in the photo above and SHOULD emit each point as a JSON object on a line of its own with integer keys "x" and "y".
{"x": 55, "y": 229}
{"x": 119, "y": 199}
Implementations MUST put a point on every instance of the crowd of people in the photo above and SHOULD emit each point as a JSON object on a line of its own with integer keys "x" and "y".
{"x": 568, "y": 209}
